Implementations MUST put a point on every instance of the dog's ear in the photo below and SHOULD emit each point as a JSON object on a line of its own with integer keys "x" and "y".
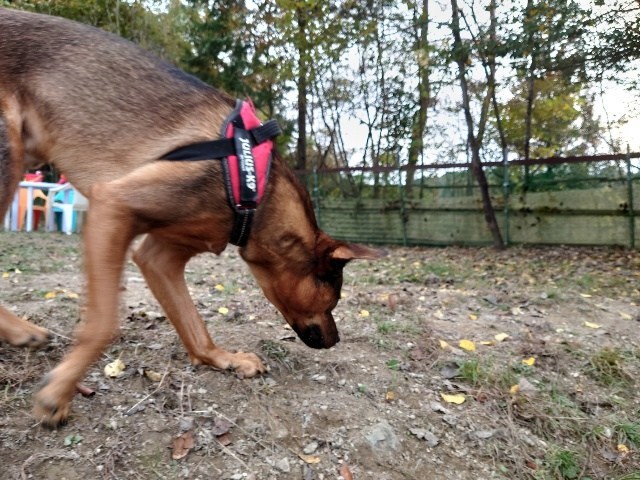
{"x": 353, "y": 251}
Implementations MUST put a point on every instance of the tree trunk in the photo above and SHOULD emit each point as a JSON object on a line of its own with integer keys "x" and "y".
{"x": 461, "y": 57}
{"x": 416, "y": 146}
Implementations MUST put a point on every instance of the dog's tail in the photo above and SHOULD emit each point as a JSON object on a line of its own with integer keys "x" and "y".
{"x": 11, "y": 166}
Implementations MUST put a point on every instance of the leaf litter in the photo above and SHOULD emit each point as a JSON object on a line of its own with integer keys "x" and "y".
{"x": 515, "y": 305}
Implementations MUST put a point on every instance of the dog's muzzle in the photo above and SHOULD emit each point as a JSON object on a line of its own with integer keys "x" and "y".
{"x": 313, "y": 337}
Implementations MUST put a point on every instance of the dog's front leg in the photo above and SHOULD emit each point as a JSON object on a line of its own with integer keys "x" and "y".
{"x": 162, "y": 265}
{"x": 108, "y": 233}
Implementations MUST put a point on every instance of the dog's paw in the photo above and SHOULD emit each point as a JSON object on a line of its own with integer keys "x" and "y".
{"x": 247, "y": 365}
{"x": 50, "y": 407}
{"x": 25, "y": 334}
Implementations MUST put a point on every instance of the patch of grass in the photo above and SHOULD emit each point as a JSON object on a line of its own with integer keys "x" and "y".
{"x": 278, "y": 353}
{"x": 470, "y": 371}
{"x": 385, "y": 328}
{"x": 563, "y": 464}
{"x": 606, "y": 367}
{"x": 628, "y": 432}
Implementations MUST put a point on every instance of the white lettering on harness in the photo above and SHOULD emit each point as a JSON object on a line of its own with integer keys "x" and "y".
{"x": 249, "y": 164}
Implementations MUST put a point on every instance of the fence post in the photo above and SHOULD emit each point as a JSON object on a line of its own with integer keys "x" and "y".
{"x": 403, "y": 211}
{"x": 632, "y": 220}
{"x": 505, "y": 190}
{"x": 316, "y": 193}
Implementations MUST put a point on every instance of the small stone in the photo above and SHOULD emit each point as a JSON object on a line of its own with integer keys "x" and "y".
{"x": 319, "y": 378}
{"x": 382, "y": 437}
{"x": 450, "y": 419}
{"x": 283, "y": 465}
{"x": 484, "y": 434}
{"x": 439, "y": 408}
{"x": 431, "y": 439}
{"x": 310, "y": 448}
{"x": 186, "y": 424}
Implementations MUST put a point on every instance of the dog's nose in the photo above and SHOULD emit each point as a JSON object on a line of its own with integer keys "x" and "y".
{"x": 313, "y": 337}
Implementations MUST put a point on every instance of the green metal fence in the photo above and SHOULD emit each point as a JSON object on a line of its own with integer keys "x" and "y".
{"x": 577, "y": 201}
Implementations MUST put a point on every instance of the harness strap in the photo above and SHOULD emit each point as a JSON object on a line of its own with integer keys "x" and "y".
{"x": 218, "y": 149}
{"x": 245, "y": 153}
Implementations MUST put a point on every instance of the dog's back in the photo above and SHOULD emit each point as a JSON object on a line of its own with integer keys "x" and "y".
{"x": 89, "y": 94}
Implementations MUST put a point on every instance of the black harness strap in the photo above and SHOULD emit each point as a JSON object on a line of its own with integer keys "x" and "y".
{"x": 217, "y": 149}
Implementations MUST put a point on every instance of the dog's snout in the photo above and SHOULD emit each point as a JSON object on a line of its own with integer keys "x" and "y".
{"x": 313, "y": 337}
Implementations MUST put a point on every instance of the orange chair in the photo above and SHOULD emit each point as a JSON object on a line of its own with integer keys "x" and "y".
{"x": 23, "y": 202}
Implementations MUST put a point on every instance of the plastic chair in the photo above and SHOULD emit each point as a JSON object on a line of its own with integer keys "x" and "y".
{"x": 67, "y": 200}
{"x": 24, "y": 201}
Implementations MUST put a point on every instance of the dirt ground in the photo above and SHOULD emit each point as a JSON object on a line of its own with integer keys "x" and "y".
{"x": 540, "y": 345}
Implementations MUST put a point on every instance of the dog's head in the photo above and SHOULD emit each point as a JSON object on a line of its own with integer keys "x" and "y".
{"x": 303, "y": 281}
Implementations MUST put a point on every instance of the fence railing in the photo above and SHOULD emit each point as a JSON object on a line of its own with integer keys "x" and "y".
{"x": 587, "y": 200}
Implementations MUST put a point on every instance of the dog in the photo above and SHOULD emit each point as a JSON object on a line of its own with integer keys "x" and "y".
{"x": 109, "y": 115}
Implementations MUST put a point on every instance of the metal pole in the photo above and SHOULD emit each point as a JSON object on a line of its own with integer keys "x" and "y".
{"x": 632, "y": 220}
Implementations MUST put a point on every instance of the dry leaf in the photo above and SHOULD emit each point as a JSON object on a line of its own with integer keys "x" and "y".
{"x": 473, "y": 316}
{"x": 591, "y": 325}
{"x": 5, "y": 275}
{"x": 225, "y": 439}
{"x": 364, "y": 313}
{"x": 467, "y": 345}
{"x": 114, "y": 369}
{"x": 345, "y": 472}
{"x": 585, "y": 295}
{"x": 626, "y": 316}
{"x": 390, "y": 396}
{"x": 443, "y": 345}
{"x": 49, "y": 295}
{"x": 488, "y": 342}
{"x": 622, "y": 448}
{"x": 529, "y": 361}
{"x": 182, "y": 445}
{"x": 72, "y": 295}
{"x": 223, "y": 310}
{"x": 153, "y": 376}
{"x": 458, "y": 399}
{"x": 310, "y": 459}
{"x": 501, "y": 337}
{"x": 514, "y": 389}
{"x": 219, "y": 288}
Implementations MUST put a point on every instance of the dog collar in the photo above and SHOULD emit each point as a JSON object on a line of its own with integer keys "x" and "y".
{"x": 246, "y": 152}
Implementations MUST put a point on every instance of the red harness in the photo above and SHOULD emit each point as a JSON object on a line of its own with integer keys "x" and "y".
{"x": 246, "y": 152}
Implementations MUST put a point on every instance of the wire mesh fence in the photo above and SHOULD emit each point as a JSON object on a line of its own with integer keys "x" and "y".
{"x": 588, "y": 200}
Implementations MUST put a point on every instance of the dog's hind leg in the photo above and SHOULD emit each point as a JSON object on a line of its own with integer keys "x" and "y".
{"x": 13, "y": 329}
{"x": 163, "y": 265}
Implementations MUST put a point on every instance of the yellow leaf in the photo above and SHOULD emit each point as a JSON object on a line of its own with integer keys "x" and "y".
{"x": 488, "y": 342}
{"x": 626, "y": 316}
{"x": 219, "y": 287}
{"x": 467, "y": 345}
{"x": 50, "y": 295}
{"x": 473, "y": 316}
{"x": 501, "y": 337}
{"x": 514, "y": 389}
{"x": 153, "y": 376}
{"x": 223, "y": 310}
{"x": 622, "y": 448}
{"x": 72, "y": 295}
{"x": 390, "y": 396}
{"x": 364, "y": 313}
{"x": 5, "y": 275}
{"x": 443, "y": 345}
{"x": 311, "y": 459}
{"x": 585, "y": 295}
{"x": 458, "y": 399}
{"x": 529, "y": 361}
{"x": 591, "y": 325}
{"x": 115, "y": 368}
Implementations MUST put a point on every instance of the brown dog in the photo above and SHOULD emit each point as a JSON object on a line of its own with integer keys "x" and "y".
{"x": 105, "y": 112}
